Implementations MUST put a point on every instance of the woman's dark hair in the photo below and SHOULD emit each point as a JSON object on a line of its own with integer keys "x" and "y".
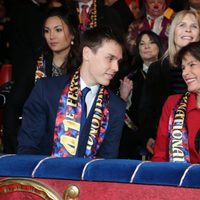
{"x": 70, "y": 18}
{"x": 192, "y": 48}
{"x": 155, "y": 38}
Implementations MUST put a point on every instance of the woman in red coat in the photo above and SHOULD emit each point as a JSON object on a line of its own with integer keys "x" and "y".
{"x": 178, "y": 136}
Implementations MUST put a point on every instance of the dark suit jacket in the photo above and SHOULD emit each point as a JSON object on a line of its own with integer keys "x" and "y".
{"x": 39, "y": 114}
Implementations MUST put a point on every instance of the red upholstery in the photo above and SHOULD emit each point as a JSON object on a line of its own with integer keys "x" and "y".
{"x": 5, "y": 73}
{"x": 90, "y": 190}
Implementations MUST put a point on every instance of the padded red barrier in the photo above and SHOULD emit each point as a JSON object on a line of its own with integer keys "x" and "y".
{"x": 90, "y": 190}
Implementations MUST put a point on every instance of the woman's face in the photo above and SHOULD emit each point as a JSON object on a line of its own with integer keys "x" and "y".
{"x": 148, "y": 49}
{"x": 191, "y": 73}
{"x": 57, "y": 34}
{"x": 186, "y": 31}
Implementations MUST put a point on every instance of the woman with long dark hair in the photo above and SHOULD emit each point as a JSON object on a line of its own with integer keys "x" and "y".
{"x": 57, "y": 57}
{"x": 148, "y": 50}
{"x": 61, "y": 43}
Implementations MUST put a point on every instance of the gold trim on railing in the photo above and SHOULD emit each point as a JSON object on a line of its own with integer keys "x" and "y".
{"x": 71, "y": 193}
{"x": 28, "y": 185}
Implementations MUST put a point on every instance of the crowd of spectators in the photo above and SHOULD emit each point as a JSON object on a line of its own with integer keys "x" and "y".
{"x": 154, "y": 32}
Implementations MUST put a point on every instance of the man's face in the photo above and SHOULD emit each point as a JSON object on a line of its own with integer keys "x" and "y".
{"x": 102, "y": 65}
{"x": 155, "y": 8}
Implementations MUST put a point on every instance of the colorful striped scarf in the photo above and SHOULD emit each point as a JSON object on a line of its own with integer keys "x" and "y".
{"x": 67, "y": 125}
{"x": 178, "y": 136}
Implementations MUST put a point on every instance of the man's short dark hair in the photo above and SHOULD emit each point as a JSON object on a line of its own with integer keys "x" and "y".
{"x": 95, "y": 37}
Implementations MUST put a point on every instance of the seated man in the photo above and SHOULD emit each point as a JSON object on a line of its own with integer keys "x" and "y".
{"x": 53, "y": 116}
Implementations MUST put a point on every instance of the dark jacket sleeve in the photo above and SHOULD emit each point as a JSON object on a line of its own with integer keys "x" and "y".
{"x": 39, "y": 115}
{"x": 154, "y": 94}
{"x": 110, "y": 145}
{"x": 34, "y": 122}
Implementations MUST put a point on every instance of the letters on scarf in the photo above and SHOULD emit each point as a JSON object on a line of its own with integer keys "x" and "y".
{"x": 67, "y": 125}
{"x": 178, "y": 136}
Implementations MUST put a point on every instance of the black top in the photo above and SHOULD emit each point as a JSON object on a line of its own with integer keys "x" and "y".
{"x": 162, "y": 80}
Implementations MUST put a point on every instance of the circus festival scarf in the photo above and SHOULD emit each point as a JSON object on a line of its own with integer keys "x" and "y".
{"x": 67, "y": 124}
{"x": 178, "y": 136}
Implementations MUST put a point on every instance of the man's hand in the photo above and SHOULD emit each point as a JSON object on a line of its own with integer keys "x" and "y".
{"x": 126, "y": 86}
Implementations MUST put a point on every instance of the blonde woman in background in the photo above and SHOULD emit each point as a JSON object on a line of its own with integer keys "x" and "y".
{"x": 164, "y": 76}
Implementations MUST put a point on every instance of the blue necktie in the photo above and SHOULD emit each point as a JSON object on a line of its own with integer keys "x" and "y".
{"x": 84, "y": 106}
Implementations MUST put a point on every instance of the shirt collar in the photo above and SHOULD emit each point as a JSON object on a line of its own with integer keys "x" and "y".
{"x": 93, "y": 88}
{"x": 145, "y": 68}
{"x": 88, "y": 3}
{"x": 151, "y": 18}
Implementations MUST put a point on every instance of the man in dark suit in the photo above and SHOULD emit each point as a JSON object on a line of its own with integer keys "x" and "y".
{"x": 53, "y": 116}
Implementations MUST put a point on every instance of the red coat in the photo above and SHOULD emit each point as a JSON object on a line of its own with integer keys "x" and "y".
{"x": 161, "y": 150}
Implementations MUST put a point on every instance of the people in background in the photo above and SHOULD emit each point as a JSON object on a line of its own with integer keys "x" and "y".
{"x": 194, "y": 5}
{"x": 155, "y": 19}
{"x": 135, "y": 9}
{"x": 148, "y": 50}
{"x": 164, "y": 76}
{"x": 178, "y": 137}
{"x": 178, "y": 5}
{"x": 4, "y": 39}
{"x": 123, "y": 10}
{"x": 94, "y": 13}
{"x": 58, "y": 57}
{"x": 77, "y": 115}
{"x": 61, "y": 43}
{"x": 25, "y": 41}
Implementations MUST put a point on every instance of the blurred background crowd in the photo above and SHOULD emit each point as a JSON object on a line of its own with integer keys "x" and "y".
{"x": 148, "y": 73}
